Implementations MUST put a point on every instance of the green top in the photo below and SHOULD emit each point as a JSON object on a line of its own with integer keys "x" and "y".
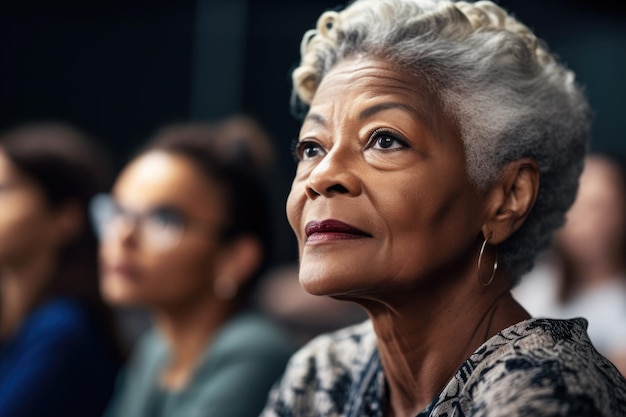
{"x": 233, "y": 377}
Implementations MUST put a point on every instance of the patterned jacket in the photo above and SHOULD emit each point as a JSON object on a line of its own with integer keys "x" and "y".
{"x": 536, "y": 368}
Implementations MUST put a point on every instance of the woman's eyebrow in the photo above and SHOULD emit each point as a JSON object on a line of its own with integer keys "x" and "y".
{"x": 370, "y": 111}
{"x": 418, "y": 113}
{"x": 315, "y": 118}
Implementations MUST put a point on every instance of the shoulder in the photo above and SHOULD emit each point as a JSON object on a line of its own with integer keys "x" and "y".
{"x": 148, "y": 354}
{"x": 64, "y": 324}
{"x": 59, "y": 315}
{"x": 252, "y": 333}
{"x": 145, "y": 361}
{"x": 321, "y": 374}
{"x": 56, "y": 358}
{"x": 249, "y": 352}
{"x": 136, "y": 382}
{"x": 338, "y": 351}
{"x": 541, "y": 367}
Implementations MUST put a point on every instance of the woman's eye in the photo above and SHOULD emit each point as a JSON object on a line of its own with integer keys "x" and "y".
{"x": 308, "y": 150}
{"x": 384, "y": 140}
{"x": 166, "y": 217}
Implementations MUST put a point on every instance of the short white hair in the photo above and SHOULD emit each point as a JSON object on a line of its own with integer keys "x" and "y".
{"x": 510, "y": 97}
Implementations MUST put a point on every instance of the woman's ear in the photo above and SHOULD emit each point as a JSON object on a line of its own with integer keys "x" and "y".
{"x": 239, "y": 260}
{"x": 510, "y": 199}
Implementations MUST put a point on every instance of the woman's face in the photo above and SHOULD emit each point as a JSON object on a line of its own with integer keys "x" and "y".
{"x": 381, "y": 200}
{"x": 597, "y": 219}
{"x": 27, "y": 223}
{"x": 161, "y": 246}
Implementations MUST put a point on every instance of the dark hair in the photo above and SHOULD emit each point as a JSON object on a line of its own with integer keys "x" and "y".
{"x": 230, "y": 161}
{"x": 68, "y": 167}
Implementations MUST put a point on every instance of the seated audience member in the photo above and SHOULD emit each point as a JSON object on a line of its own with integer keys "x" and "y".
{"x": 58, "y": 352}
{"x": 584, "y": 273}
{"x": 185, "y": 235}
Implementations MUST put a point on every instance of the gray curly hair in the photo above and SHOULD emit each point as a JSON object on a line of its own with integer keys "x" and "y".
{"x": 509, "y": 96}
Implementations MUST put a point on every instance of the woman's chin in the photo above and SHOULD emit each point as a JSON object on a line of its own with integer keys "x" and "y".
{"x": 322, "y": 286}
{"x": 116, "y": 294}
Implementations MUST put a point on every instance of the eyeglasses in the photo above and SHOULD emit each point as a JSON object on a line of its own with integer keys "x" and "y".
{"x": 160, "y": 228}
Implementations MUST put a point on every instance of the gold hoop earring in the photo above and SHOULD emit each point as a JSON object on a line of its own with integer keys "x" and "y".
{"x": 495, "y": 266}
{"x": 225, "y": 288}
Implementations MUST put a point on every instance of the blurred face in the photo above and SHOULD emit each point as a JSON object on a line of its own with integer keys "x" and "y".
{"x": 381, "y": 200}
{"x": 596, "y": 221}
{"x": 160, "y": 243}
{"x": 27, "y": 224}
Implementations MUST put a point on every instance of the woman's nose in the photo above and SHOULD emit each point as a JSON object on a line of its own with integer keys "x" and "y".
{"x": 124, "y": 229}
{"x": 334, "y": 175}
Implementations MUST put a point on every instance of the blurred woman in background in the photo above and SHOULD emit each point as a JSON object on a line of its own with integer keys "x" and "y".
{"x": 185, "y": 234}
{"x": 58, "y": 353}
{"x": 583, "y": 274}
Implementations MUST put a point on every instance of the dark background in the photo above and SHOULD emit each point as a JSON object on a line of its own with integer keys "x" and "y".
{"x": 121, "y": 69}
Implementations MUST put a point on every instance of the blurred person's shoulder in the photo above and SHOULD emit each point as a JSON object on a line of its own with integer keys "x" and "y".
{"x": 253, "y": 332}
{"x": 61, "y": 318}
{"x": 60, "y": 335}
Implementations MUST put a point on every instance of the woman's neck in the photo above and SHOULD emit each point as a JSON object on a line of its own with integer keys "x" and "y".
{"x": 22, "y": 285}
{"x": 187, "y": 332}
{"x": 424, "y": 339}
{"x": 599, "y": 272}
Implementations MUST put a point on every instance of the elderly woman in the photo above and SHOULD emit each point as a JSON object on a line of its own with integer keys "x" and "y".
{"x": 441, "y": 147}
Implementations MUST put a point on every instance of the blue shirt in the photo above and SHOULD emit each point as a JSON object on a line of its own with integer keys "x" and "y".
{"x": 56, "y": 364}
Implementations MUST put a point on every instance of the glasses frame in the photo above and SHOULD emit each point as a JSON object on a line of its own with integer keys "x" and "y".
{"x": 108, "y": 217}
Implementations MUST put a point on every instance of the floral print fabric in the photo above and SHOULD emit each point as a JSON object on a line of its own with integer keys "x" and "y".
{"x": 539, "y": 367}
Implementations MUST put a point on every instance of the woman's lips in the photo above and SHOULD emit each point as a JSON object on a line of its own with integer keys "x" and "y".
{"x": 332, "y": 230}
{"x": 124, "y": 270}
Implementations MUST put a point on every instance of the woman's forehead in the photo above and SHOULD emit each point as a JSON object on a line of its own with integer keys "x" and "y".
{"x": 159, "y": 177}
{"x": 374, "y": 81}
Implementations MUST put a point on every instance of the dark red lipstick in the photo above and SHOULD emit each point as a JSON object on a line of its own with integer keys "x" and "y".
{"x": 332, "y": 230}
